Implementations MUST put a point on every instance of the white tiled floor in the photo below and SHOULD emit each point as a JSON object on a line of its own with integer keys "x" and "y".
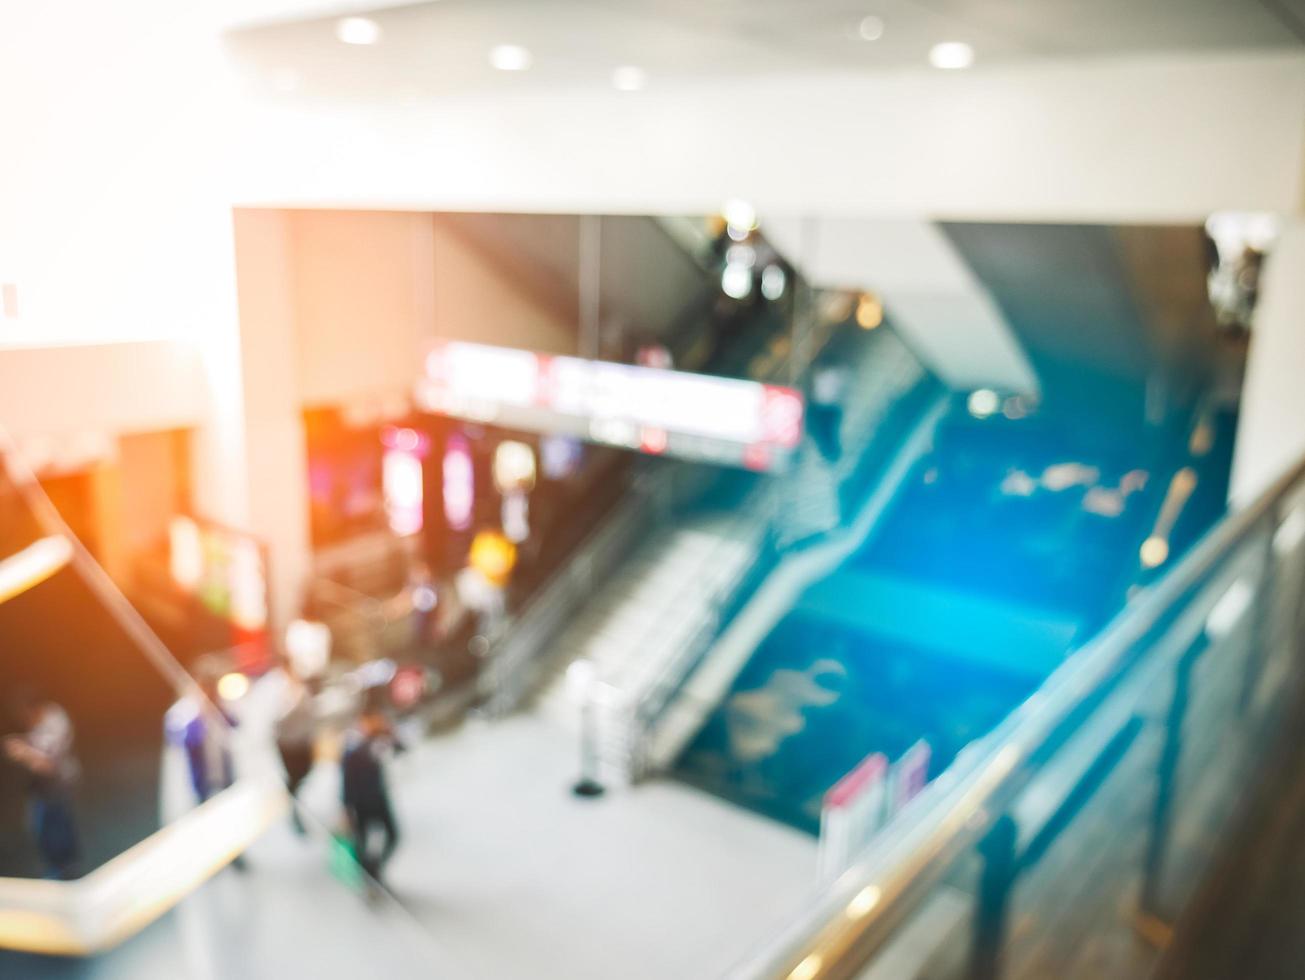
{"x": 501, "y": 874}
{"x": 518, "y": 878}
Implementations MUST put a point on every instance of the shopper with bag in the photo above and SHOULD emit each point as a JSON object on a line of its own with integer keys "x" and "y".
{"x": 366, "y": 796}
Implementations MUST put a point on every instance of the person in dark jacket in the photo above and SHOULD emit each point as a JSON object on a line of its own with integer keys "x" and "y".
{"x": 45, "y": 752}
{"x": 366, "y": 796}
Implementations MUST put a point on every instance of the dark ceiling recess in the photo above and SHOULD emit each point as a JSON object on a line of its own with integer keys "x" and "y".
{"x": 1100, "y": 309}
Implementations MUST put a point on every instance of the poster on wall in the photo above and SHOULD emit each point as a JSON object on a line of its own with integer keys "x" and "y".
{"x": 225, "y": 570}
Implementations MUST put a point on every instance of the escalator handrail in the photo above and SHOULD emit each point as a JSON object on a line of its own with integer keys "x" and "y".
{"x": 856, "y": 914}
{"x": 517, "y": 640}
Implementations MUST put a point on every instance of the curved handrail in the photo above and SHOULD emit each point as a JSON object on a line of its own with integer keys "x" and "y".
{"x": 132, "y": 889}
{"x": 858, "y": 911}
{"x": 127, "y": 893}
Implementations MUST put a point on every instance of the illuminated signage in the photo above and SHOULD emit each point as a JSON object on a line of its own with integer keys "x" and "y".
{"x": 225, "y": 569}
{"x": 723, "y": 420}
{"x": 401, "y": 478}
{"x": 459, "y": 483}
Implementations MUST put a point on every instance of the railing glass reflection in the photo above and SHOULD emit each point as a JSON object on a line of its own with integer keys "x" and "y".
{"x": 1070, "y": 839}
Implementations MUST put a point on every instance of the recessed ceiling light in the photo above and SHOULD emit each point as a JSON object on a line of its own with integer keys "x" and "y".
{"x": 871, "y": 28}
{"x": 951, "y": 55}
{"x": 739, "y": 216}
{"x": 629, "y": 78}
{"x": 509, "y": 57}
{"x": 357, "y": 30}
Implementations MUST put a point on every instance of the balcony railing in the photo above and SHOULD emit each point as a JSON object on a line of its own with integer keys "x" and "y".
{"x": 1069, "y": 840}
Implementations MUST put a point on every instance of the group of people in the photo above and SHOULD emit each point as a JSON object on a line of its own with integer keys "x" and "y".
{"x": 201, "y": 725}
{"x": 372, "y": 829}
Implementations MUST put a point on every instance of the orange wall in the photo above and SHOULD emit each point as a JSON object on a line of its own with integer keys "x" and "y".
{"x": 370, "y": 288}
{"x": 476, "y": 301}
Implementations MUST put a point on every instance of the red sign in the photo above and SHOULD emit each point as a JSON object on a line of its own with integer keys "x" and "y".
{"x": 725, "y": 420}
{"x": 408, "y": 686}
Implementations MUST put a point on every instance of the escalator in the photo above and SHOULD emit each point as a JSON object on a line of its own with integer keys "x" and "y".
{"x": 645, "y": 288}
{"x": 1013, "y": 539}
{"x": 659, "y": 288}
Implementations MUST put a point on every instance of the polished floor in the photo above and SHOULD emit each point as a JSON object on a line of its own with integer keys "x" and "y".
{"x": 1249, "y": 921}
{"x": 501, "y": 873}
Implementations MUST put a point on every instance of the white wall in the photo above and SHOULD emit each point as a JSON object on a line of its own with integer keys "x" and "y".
{"x": 362, "y": 285}
{"x": 372, "y": 288}
{"x": 1271, "y": 429}
{"x": 275, "y": 465}
{"x": 476, "y": 301}
{"x": 65, "y": 391}
{"x": 1147, "y": 138}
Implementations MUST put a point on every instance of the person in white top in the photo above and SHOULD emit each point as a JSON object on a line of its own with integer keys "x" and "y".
{"x": 45, "y": 752}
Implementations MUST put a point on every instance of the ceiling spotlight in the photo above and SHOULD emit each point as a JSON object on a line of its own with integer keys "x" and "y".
{"x": 739, "y": 215}
{"x": 629, "y": 78}
{"x": 871, "y": 28}
{"x": 357, "y": 30}
{"x": 983, "y": 402}
{"x": 509, "y": 57}
{"x": 773, "y": 282}
{"x": 951, "y": 55}
{"x": 869, "y": 311}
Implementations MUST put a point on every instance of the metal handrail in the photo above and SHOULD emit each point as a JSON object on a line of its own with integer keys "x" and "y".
{"x": 657, "y": 692}
{"x": 857, "y": 913}
{"x": 766, "y": 499}
{"x": 516, "y": 640}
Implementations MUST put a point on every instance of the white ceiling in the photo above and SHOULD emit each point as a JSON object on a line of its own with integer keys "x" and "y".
{"x": 438, "y": 47}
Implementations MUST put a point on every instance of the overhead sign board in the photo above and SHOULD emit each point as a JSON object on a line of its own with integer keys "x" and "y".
{"x": 652, "y": 410}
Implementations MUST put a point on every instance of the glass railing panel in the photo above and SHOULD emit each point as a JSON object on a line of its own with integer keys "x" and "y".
{"x": 1095, "y": 811}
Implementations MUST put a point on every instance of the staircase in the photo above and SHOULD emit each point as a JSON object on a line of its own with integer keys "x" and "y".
{"x": 652, "y": 608}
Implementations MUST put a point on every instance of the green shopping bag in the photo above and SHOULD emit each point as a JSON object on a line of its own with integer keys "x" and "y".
{"x": 342, "y": 862}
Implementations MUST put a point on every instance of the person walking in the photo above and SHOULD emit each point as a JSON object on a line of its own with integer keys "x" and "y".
{"x": 296, "y": 737}
{"x": 202, "y": 726}
{"x": 45, "y": 752}
{"x": 365, "y": 793}
{"x": 825, "y": 408}
{"x": 205, "y": 736}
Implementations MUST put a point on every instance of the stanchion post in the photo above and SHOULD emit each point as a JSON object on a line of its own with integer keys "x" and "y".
{"x": 1262, "y": 609}
{"x": 1000, "y": 866}
{"x": 1166, "y": 773}
{"x": 588, "y": 784}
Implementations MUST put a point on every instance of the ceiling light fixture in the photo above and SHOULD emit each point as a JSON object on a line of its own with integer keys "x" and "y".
{"x": 509, "y": 57}
{"x": 871, "y": 28}
{"x": 951, "y": 55}
{"x": 357, "y": 30}
{"x": 629, "y": 78}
